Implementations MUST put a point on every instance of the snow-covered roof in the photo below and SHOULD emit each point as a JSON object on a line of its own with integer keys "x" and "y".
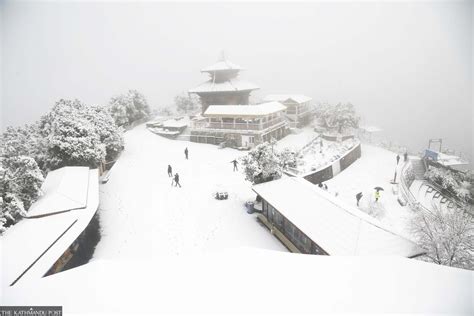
{"x": 33, "y": 245}
{"x": 371, "y": 129}
{"x": 233, "y": 84}
{"x": 244, "y": 110}
{"x": 292, "y": 98}
{"x": 176, "y": 123}
{"x": 62, "y": 190}
{"x": 365, "y": 285}
{"x": 450, "y": 160}
{"x": 339, "y": 228}
{"x": 221, "y": 65}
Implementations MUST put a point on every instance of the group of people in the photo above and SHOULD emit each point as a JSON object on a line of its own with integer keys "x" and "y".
{"x": 405, "y": 157}
{"x": 175, "y": 179}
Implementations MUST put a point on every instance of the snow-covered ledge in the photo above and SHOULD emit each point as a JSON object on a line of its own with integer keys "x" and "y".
{"x": 70, "y": 200}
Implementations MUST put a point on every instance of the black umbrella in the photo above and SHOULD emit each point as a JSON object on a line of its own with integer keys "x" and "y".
{"x": 359, "y": 195}
{"x": 378, "y": 189}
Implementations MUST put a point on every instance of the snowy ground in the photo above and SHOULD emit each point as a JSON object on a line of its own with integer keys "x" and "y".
{"x": 375, "y": 168}
{"x": 316, "y": 156}
{"x": 297, "y": 139}
{"x": 143, "y": 216}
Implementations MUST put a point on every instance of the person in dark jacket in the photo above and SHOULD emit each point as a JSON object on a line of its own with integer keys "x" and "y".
{"x": 170, "y": 171}
{"x": 176, "y": 180}
{"x": 235, "y": 164}
{"x": 186, "y": 152}
{"x": 398, "y": 158}
{"x": 358, "y": 197}
{"x": 405, "y": 156}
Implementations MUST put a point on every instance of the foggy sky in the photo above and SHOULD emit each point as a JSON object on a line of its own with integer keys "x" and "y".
{"x": 407, "y": 67}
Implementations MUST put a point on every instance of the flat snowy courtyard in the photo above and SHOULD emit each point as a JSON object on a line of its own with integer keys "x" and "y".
{"x": 375, "y": 168}
{"x": 143, "y": 216}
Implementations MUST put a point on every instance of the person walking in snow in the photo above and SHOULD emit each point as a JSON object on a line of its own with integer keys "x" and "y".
{"x": 377, "y": 195}
{"x": 235, "y": 164}
{"x": 358, "y": 197}
{"x": 170, "y": 171}
{"x": 398, "y": 158}
{"x": 186, "y": 152}
{"x": 176, "y": 180}
{"x": 405, "y": 156}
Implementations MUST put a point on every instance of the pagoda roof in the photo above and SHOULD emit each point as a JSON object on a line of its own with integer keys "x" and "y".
{"x": 296, "y": 98}
{"x": 230, "y": 85}
{"x": 244, "y": 110}
{"x": 222, "y": 65}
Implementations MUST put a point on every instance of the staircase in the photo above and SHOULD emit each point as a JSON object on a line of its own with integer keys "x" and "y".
{"x": 418, "y": 167}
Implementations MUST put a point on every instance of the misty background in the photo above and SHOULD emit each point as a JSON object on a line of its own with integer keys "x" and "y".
{"x": 407, "y": 67}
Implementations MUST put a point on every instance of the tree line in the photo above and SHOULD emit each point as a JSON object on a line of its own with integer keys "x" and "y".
{"x": 72, "y": 133}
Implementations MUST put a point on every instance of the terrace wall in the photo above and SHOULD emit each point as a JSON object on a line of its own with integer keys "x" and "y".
{"x": 329, "y": 171}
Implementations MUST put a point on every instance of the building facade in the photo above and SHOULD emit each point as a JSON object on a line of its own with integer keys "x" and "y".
{"x": 299, "y": 110}
{"x": 312, "y": 221}
{"x": 240, "y": 125}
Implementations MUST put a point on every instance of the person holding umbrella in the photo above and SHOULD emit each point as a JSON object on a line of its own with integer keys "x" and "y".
{"x": 377, "y": 193}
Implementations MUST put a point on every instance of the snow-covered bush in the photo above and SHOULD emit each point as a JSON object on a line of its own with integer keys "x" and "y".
{"x": 129, "y": 107}
{"x": 337, "y": 118}
{"x": 261, "y": 164}
{"x": 448, "y": 237}
{"x": 264, "y": 163}
{"x": 289, "y": 158}
{"x": 454, "y": 183}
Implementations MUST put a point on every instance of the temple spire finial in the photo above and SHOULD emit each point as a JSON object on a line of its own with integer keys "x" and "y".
{"x": 222, "y": 56}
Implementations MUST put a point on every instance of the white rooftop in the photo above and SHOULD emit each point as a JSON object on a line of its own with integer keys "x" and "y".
{"x": 234, "y": 84}
{"x": 451, "y": 160}
{"x": 338, "y": 228}
{"x": 176, "y": 123}
{"x": 60, "y": 191}
{"x": 296, "y": 98}
{"x": 244, "y": 110}
{"x": 371, "y": 129}
{"x": 33, "y": 245}
{"x": 222, "y": 65}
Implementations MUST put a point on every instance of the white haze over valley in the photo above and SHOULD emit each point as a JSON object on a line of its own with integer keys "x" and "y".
{"x": 407, "y": 67}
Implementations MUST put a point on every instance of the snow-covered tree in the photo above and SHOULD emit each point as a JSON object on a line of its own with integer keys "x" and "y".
{"x": 447, "y": 235}
{"x": 129, "y": 107}
{"x": 187, "y": 103}
{"x": 261, "y": 164}
{"x": 20, "y": 184}
{"x": 340, "y": 117}
{"x": 73, "y": 139}
{"x": 24, "y": 141}
{"x": 109, "y": 133}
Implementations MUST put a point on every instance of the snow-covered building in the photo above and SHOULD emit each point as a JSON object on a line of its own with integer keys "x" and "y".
{"x": 59, "y": 228}
{"x": 299, "y": 109}
{"x": 224, "y": 86}
{"x": 312, "y": 221}
{"x": 241, "y": 125}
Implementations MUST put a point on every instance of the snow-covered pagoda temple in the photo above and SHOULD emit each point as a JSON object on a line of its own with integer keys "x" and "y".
{"x": 299, "y": 109}
{"x": 224, "y": 86}
{"x": 241, "y": 125}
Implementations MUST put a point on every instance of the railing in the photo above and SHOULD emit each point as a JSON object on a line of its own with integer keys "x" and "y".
{"x": 412, "y": 201}
{"x": 237, "y": 126}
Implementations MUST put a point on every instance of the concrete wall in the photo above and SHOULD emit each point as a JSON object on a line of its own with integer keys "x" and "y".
{"x": 335, "y": 167}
